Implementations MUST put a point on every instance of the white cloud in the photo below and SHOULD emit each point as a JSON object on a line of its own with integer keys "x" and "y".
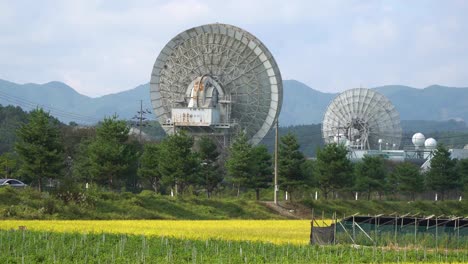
{"x": 6, "y": 14}
{"x": 184, "y": 11}
{"x": 445, "y": 74}
{"x": 369, "y": 34}
{"x": 100, "y": 47}
{"x": 434, "y": 38}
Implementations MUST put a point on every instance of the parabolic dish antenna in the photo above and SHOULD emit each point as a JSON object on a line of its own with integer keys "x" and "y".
{"x": 216, "y": 79}
{"x": 361, "y": 117}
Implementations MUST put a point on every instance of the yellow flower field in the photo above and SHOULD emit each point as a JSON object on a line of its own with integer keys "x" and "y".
{"x": 273, "y": 231}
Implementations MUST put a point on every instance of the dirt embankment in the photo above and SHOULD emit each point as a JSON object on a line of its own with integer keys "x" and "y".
{"x": 290, "y": 209}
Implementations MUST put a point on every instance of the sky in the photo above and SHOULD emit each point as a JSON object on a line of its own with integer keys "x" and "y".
{"x": 102, "y": 47}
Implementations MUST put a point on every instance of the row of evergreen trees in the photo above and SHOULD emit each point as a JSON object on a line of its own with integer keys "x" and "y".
{"x": 49, "y": 153}
{"x": 375, "y": 175}
{"x": 335, "y": 175}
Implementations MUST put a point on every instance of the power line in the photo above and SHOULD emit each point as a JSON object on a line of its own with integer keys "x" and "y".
{"x": 31, "y": 104}
{"x": 141, "y": 117}
{"x": 56, "y": 111}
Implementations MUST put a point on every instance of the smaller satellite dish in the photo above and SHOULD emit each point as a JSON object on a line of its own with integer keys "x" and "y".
{"x": 362, "y": 114}
{"x": 430, "y": 143}
{"x": 418, "y": 139}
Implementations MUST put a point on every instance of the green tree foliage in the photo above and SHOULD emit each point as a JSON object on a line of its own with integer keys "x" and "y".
{"x": 239, "y": 164}
{"x": 39, "y": 147}
{"x": 149, "y": 165}
{"x": 462, "y": 171}
{"x": 8, "y": 164}
{"x": 11, "y": 119}
{"x": 177, "y": 163}
{"x": 333, "y": 169}
{"x": 110, "y": 154}
{"x": 74, "y": 141}
{"x": 73, "y": 136}
{"x": 210, "y": 174}
{"x": 442, "y": 176}
{"x": 406, "y": 178}
{"x": 249, "y": 166}
{"x": 309, "y": 138}
{"x": 262, "y": 175}
{"x": 370, "y": 175}
{"x": 135, "y": 148}
{"x": 290, "y": 161}
{"x": 308, "y": 169}
{"x": 81, "y": 167}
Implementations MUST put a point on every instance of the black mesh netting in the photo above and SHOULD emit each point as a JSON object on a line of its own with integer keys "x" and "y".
{"x": 322, "y": 235}
{"x": 387, "y": 230}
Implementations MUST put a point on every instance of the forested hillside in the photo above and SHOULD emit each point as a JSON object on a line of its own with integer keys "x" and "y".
{"x": 11, "y": 118}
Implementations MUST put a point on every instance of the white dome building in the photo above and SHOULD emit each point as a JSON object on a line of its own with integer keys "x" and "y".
{"x": 430, "y": 143}
{"x": 418, "y": 140}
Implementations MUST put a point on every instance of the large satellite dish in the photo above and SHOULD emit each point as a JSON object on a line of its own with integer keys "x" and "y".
{"x": 216, "y": 80}
{"x": 362, "y": 119}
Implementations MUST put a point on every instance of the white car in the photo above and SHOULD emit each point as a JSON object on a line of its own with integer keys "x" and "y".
{"x": 12, "y": 183}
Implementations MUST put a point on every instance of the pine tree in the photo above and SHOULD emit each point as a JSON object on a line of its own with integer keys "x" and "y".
{"x": 210, "y": 174}
{"x": 149, "y": 165}
{"x": 8, "y": 164}
{"x": 333, "y": 169}
{"x": 239, "y": 164}
{"x": 442, "y": 176}
{"x": 370, "y": 175}
{"x": 39, "y": 147}
{"x": 110, "y": 154}
{"x": 308, "y": 169}
{"x": 290, "y": 161}
{"x": 462, "y": 171}
{"x": 262, "y": 175}
{"x": 407, "y": 179}
{"x": 11, "y": 119}
{"x": 178, "y": 164}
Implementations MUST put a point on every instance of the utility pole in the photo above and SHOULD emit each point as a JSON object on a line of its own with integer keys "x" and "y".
{"x": 275, "y": 198}
{"x": 140, "y": 123}
{"x": 140, "y": 119}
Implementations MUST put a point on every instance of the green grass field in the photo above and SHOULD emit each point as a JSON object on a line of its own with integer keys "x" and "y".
{"x": 46, "y": 247}
{"x": 52, "y": 246}
{"x": 31, "y": 204}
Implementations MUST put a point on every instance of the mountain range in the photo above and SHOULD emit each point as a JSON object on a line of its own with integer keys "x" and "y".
{"x": 301, "y": 104}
